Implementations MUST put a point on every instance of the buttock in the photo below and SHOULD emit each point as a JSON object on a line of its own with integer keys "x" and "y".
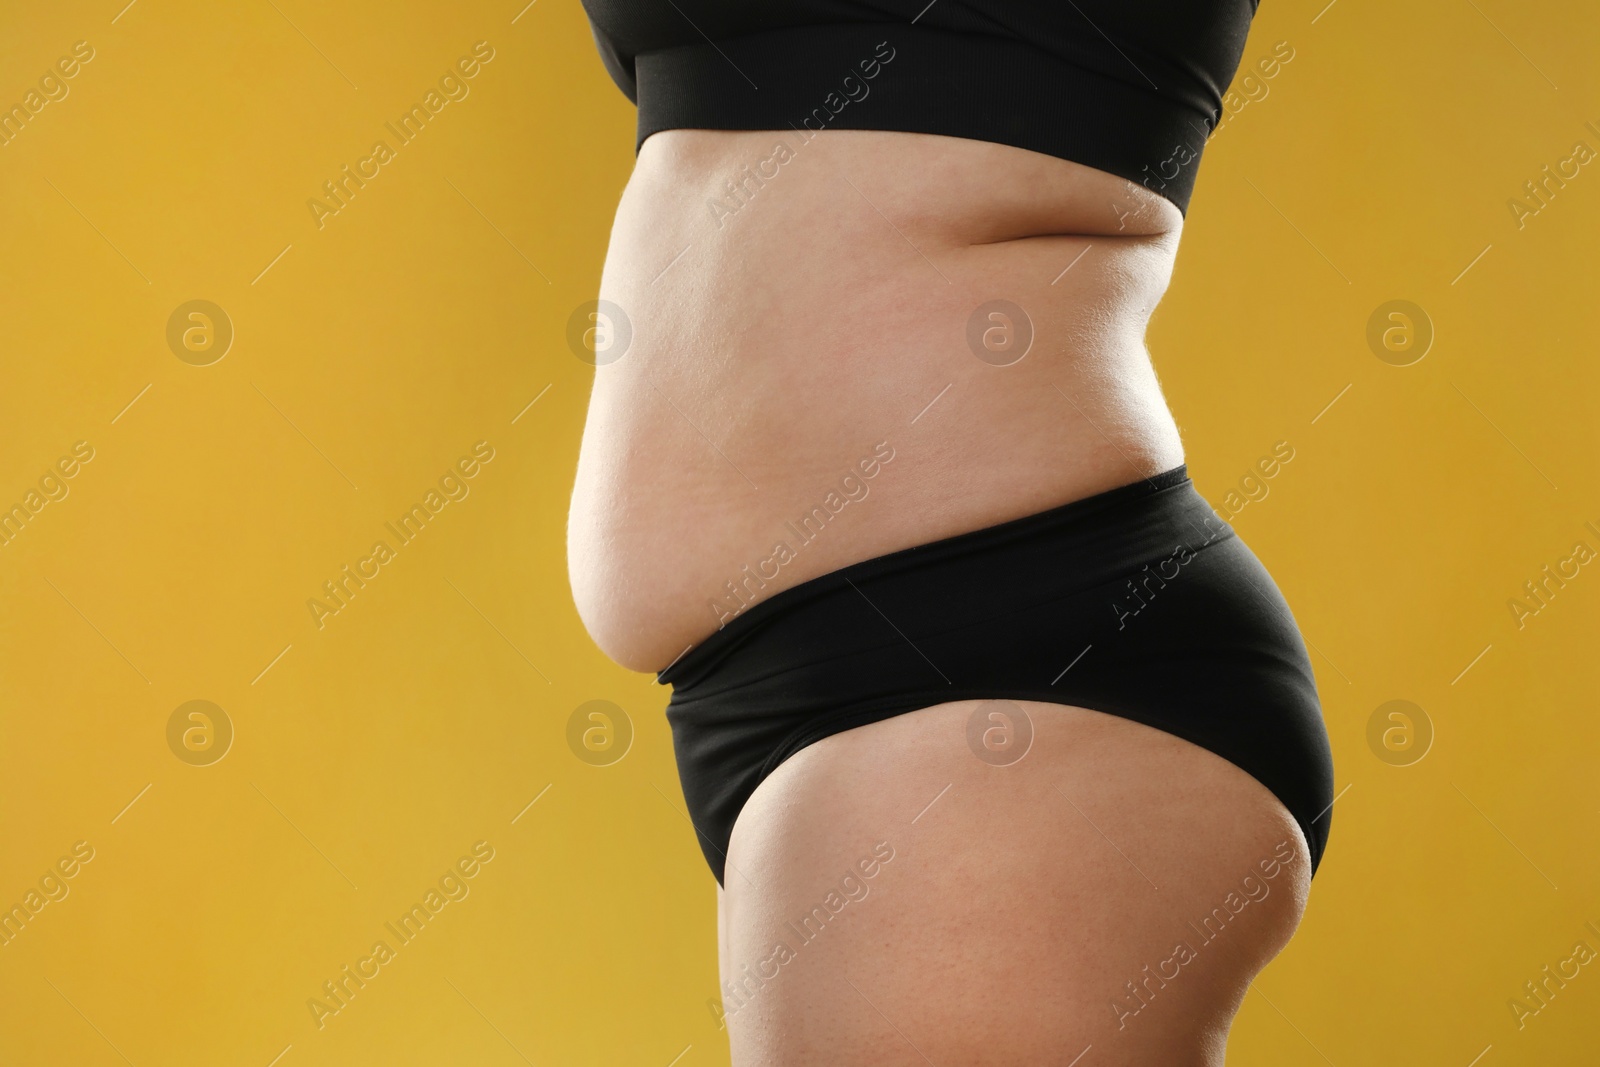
{"x": 1138, "y": 602}
{"x": 1088, "y": 889}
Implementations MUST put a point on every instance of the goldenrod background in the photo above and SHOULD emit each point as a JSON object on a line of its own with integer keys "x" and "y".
{"x": 370, "y": 354}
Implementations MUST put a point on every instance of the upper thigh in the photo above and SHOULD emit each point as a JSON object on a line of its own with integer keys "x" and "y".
{"x": 894, "y": 889}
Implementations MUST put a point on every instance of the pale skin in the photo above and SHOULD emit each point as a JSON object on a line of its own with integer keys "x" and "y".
{"x": 776, "y": 340}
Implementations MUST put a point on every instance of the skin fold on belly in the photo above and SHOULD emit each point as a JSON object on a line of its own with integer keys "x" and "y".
{"x": 847, "y": 345}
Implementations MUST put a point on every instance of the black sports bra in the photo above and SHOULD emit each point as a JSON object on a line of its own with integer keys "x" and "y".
{"x": 1132, "y": 87}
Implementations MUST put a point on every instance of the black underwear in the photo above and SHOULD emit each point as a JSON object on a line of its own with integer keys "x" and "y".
{"x": 1138, "y": 602}
{"x": 1130, "y": 87}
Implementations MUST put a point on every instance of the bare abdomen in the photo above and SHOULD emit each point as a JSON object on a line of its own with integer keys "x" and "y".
{"x": 820, "y": 368}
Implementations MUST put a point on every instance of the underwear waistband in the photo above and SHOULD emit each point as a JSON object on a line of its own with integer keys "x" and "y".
{"x": 1079, "y": 544}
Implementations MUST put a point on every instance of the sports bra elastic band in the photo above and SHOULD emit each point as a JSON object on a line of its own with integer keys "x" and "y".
{"x": 1130, "y": 87}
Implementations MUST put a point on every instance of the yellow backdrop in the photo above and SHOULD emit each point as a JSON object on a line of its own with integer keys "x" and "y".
{"x": 241, "y": 348}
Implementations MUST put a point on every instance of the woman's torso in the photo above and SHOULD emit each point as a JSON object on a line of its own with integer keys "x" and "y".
{"x": 804, "y": 386}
